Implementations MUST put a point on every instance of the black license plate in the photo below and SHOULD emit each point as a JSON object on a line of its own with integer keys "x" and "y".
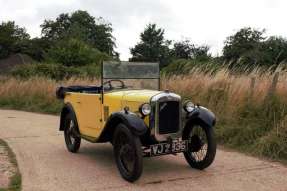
{"x": 168, "y": 148}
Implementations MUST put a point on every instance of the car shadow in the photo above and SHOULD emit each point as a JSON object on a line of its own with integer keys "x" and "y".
{"x": 103, "y": 155}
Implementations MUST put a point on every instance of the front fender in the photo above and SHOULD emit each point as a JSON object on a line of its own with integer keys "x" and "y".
{"x": 203, "y": 115}
{"x": 131, "y": 120}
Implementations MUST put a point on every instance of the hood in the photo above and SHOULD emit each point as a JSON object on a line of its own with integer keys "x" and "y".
{"x": 139, "y": 95}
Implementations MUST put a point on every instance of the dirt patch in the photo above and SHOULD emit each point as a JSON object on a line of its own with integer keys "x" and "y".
{"x": 7, "y": 168}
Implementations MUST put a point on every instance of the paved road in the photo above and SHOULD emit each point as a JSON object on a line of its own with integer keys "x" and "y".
{"x": 46, "y": 165}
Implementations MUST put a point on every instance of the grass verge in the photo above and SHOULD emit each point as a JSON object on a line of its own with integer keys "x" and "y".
{"x": 16, "y": 179}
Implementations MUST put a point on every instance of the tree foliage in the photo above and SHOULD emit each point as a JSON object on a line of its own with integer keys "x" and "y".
{"x": 152, "y": 46}
{"x": 249, "y": 48}
{"x": 79, "y": 39}
{"x": 274, "y": 51}
{"x": 186, "y": 50}
{"x": 74, "y": 52}
{"x": 243, "y": 41}
{"x": 12, "y": 38}
{"x": 36, "y": 48}
{"x": 82, "y": 26}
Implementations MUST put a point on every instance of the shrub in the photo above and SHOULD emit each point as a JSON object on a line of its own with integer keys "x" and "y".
{"x": 183, "y": 66}
{"x": 53, "y": 71}
{"x": 74, "y": 52}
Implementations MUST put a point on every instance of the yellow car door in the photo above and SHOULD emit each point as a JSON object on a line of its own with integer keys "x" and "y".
{"x": 90, "y": 114}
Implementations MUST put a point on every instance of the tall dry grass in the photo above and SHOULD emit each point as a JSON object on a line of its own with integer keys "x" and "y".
{"x": 250, "y": 118}
{"x": 224, "y": 92}
{"x": 34, "y": 94}
{"x": 246, "y": 118}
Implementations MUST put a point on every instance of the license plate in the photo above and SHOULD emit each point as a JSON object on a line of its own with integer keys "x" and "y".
{"x": 168, "y": 148}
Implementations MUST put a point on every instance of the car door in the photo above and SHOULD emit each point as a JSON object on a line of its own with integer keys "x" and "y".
{"x": 90, "y": 115}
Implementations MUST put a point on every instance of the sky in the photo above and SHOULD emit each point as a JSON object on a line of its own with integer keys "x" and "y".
{"x": 204, "y": 22}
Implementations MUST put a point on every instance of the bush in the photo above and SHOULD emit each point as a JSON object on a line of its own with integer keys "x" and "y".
{"x": 74, "y": 52}
{"x": 183, "y": 66}
{"x": 55, "y": 71}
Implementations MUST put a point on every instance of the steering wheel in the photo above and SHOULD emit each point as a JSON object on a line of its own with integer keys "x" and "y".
{"x": 111, "y": 86}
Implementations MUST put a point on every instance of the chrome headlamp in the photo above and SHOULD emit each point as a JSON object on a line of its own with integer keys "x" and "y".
{"x": 145, "y": 109}
{"x": 188, "y": 106}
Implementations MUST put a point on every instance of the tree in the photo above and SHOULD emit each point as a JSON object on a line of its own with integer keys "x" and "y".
{"x": 201, "y": 53}
{"x": 12, "y": 38}
{"x": 183, "y": 49}
{"x": 153, "y": 47}
{"x": 242, "y": 42}
{"x": 274, "y": 51}
{"x": 37, "y": 48}
{"x": 248, "y": 48}
{"x": 82, "y": 26}
{"x": 74, "y": 52}
{"x": 186, "y": 50}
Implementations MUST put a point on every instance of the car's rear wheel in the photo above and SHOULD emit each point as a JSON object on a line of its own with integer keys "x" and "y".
{"x": 71, "y": 133}
{"x": 202, "y": 145}
{"x": 128, "y": 153}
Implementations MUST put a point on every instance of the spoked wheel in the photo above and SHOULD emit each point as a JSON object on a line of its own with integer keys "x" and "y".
{"x": 128, "y": 153}
{"x": 71, "y": 134}
{"x": 202, "y": 145}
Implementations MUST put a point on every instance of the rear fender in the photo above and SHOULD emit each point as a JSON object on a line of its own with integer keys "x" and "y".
{"x": 68, "y": 108}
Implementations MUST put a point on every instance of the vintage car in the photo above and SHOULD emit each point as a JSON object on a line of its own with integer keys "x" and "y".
{"x": 130, "y": 111}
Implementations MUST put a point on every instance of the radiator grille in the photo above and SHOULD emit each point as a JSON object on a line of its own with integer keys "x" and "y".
{"x": 168, "y": 117}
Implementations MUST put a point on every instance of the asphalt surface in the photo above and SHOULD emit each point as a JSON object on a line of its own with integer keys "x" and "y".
{"x": 45, "y": 163}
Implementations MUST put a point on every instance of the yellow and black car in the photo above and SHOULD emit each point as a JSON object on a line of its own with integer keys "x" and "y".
{"x": 129, "y": 110}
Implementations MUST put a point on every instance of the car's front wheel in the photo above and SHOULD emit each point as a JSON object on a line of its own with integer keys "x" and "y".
{"x": 71, "y": 133}
{"x": 128, "y": 153}
{"x": 201, "y": 147}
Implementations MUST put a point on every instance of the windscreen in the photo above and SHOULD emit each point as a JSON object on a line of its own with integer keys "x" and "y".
{"x": 134, "y": 75}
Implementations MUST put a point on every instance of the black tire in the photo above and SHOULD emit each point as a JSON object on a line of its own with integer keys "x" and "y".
{"x": 71, "y": 133}
{"x": 197, "y": 145}
{"x": 128, "y": 153}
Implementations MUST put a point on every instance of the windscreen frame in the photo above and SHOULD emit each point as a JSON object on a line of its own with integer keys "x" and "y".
{"x": 127, "y": 78}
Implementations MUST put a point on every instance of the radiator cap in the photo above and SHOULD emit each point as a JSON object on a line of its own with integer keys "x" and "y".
{"x": 166, "y": 91}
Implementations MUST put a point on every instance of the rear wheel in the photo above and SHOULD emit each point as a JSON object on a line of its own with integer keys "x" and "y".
{"x": 128, "y": 153}
{"x": 201, "y": 147}
{"x": 71, "y": 133}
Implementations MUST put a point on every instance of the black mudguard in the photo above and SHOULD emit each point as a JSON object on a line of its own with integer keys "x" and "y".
{"x": 65, "y": 110}
{"x": 131, "y": 120}
{"x": 203, "y": 115}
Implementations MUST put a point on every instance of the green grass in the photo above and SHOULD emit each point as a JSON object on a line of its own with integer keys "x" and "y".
{"x": 16, "y": 179}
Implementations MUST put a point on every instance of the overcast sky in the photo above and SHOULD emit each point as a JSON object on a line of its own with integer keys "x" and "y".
{"x": 206, "y": 22}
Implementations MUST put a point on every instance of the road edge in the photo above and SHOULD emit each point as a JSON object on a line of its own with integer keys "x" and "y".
{"x": 15, "y": 183}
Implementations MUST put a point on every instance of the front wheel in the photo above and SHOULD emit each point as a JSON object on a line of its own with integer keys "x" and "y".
{"x": 128, "y": 153}
{"x": 201, "y": 147}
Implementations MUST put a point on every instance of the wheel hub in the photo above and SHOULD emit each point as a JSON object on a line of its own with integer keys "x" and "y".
{"x": 195, "y": 143}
